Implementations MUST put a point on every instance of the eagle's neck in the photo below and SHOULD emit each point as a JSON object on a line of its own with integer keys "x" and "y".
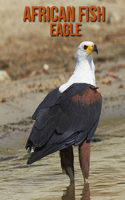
{"x": 84, "y": 73}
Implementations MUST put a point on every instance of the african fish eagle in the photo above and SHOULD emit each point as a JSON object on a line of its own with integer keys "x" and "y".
{"x": 69, "y": 115}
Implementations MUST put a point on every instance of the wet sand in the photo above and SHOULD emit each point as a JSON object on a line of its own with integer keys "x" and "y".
{"x": 45, "y": 180}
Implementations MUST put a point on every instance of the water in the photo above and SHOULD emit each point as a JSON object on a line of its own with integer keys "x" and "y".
{"x": 45, "y": 180}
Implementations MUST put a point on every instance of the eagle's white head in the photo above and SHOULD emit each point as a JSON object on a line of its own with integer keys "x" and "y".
{"x": 84, "y": 66}
{"x": 85, "y": 51}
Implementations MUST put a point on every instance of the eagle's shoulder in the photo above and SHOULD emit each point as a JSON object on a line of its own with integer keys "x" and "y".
{"x": 82, "y": 92}
{"x": 48, "y": 101}
{"x": 55, "y": 96}
{"x": 88, "y": 96}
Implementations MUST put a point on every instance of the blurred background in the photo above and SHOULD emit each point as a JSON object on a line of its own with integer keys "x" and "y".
{"x": 27, "y": 50}
{"x": 31, "y": 64}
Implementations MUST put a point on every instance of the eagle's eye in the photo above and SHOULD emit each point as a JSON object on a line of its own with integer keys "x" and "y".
{"x": 85, "y": 47}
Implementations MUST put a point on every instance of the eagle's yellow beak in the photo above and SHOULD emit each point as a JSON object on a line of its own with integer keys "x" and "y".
{"x": 90, "y": 48}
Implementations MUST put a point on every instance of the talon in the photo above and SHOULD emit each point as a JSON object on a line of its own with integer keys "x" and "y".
{"x": 86, "y": 180}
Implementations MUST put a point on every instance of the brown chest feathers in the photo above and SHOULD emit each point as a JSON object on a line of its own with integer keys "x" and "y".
{"x": 90, "y": 96}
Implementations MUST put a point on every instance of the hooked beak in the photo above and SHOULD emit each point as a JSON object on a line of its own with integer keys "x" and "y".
{"x": 95, "y": 49}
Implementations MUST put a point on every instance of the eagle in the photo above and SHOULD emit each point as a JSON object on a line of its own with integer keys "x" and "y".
{"x": 68, "y": 116}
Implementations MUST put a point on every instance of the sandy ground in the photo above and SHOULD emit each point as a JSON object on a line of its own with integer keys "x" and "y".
{"x": 26, "y": 47}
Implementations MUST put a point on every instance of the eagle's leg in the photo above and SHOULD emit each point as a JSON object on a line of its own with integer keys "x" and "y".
{"x": 84, "y": 158}
{"x": 67, "y": 162}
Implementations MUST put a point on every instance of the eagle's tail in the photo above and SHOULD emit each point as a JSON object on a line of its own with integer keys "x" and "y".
{"x": 56, "y": 143}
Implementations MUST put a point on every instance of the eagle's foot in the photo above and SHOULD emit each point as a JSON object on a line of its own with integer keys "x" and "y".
{"x": 86, "y": 180}
{"x": 70, "y": 173}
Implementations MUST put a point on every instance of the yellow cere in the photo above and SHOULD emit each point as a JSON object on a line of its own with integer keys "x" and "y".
{"x": 89, "y": 49}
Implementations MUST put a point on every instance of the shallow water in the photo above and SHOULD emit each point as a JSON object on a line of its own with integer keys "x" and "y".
{"x": 45, "y": 180}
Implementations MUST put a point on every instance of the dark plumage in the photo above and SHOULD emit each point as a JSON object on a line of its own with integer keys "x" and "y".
{"x": 64, "y": 119}
{"x": 68, "y": 116}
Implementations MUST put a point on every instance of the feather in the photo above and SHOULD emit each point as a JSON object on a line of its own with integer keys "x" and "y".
{"x": 67, "y": 120}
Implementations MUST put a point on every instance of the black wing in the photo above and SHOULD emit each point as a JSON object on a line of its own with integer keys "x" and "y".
{"x": 49, "y": 101}
{"x": 63, "y": 121}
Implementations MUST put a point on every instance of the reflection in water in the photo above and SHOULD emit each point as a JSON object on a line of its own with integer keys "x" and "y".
{"x": 69, "y": 193}
{"x": 44, "y": 180}
{"x": 86, "y": 192}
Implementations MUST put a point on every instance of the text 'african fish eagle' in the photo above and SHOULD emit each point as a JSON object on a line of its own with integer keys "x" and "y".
{"x": 68, "y": 116}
